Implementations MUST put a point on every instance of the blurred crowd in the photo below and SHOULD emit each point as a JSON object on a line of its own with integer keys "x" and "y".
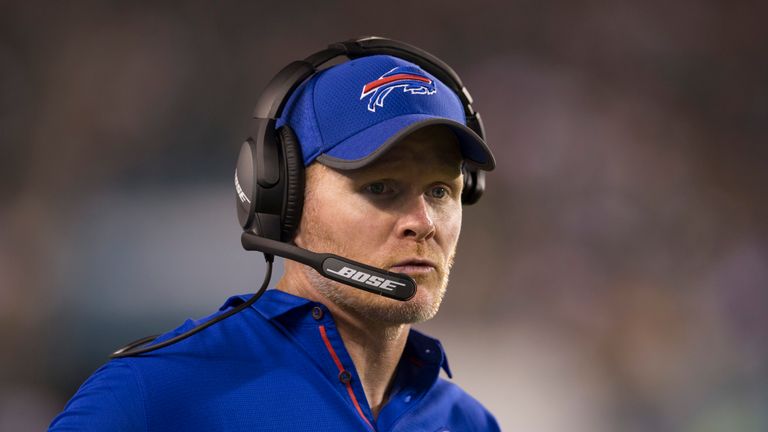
{"x": 612, "y": 278}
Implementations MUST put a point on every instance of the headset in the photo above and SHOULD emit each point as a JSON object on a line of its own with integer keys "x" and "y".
{"x": 269, "y": 179}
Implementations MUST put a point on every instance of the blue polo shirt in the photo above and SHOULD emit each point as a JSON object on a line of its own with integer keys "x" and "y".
{"x": 280, "y": 365}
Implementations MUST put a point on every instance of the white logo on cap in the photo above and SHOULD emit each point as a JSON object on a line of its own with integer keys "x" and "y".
{"x": 412, "y": 80}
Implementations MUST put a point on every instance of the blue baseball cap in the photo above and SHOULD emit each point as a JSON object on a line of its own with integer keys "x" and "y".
{"x": 348, "y": 115}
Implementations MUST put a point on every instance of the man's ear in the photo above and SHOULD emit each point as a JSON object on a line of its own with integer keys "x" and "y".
{"x": 297, "y": 239}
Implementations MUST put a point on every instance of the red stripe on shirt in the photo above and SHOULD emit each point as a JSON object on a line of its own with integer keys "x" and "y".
{"x": 336, "y": 360}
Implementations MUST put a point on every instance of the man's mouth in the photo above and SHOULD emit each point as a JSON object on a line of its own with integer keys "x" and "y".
{"x": 414, "y": 266}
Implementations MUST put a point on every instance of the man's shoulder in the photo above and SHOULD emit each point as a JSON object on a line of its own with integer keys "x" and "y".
{"x": 124, "y": 393}
{"x": 244, "y": 334}
{"x": 217, "y": 351}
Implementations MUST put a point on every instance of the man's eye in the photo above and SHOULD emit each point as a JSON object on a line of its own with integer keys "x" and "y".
{"x": 377, "y": 188}
{"x": 438, "y": 192}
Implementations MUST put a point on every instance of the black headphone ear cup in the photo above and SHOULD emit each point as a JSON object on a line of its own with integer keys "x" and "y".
{"x": 294, "y": 182}
{"x": 474, "y": 185}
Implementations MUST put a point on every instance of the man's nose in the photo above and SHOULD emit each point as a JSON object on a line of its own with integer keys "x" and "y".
{"x": 416, "y": 220}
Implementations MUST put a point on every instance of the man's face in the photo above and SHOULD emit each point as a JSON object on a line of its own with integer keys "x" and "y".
{"x": 401, "y": 213}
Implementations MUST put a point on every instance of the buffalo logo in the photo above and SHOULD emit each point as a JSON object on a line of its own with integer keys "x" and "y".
{"x": 412, "y": 80}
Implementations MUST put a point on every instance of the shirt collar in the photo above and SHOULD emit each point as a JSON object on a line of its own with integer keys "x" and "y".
{"x": 275, "y": 304}
{"x": 428, "y": 350}
{"x": 272, "y": 304}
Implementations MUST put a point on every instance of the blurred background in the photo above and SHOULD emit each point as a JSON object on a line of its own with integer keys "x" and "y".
{"x": 613, "y": 278}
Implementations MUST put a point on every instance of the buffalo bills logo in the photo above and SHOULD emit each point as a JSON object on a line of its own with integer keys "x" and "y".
{"x": 412, "y": 80}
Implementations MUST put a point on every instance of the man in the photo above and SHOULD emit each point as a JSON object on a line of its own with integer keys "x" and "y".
{"x": 316, "y": 354}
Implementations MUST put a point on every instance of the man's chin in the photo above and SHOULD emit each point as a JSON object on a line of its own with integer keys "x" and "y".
{"x": 423, "y": 306}
{"x": 430, "y": 289}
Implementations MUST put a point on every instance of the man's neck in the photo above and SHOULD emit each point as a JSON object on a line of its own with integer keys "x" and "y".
{"x": 375, "y": 347}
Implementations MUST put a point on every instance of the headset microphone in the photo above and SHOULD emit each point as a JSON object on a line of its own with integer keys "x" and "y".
{"x": 396, "y": 286}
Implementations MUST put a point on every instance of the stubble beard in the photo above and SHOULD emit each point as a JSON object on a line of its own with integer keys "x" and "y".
{"x": 377, "y": 308}
{"x": 422, "y": 307}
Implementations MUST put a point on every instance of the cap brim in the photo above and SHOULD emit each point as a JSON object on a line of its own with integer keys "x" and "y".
{"x": 366, "y": 146}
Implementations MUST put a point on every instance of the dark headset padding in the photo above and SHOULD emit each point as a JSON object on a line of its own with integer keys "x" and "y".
{"x": 474, "y": 185}
{"x": 294, "y": 182}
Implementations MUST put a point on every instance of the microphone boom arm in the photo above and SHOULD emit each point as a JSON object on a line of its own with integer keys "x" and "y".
{"x": 396, "y": 286}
